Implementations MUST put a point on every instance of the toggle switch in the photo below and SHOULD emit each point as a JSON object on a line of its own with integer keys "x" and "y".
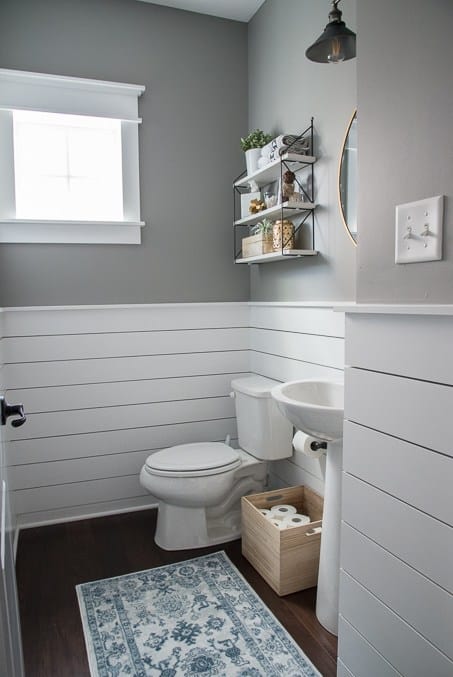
{"x": 418, "y": 230}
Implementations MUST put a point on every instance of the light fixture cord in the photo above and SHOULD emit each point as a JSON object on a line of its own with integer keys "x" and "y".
{"x": 335, "y": 13}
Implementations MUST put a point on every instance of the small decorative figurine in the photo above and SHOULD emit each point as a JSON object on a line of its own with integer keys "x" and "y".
{"x": 288, "y": 185}
{"x": 257, "y": 206}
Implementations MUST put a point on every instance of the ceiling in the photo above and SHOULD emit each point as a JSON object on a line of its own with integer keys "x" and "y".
{"x": 240, "y": 10}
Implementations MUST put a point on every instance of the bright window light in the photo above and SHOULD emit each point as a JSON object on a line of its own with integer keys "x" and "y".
{"x": 67, "y": 167}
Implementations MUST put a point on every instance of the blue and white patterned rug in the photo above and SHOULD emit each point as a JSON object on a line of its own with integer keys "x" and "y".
{"x": 198, "y": 618}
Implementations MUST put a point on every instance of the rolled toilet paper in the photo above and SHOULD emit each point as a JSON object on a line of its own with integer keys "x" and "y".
{"x": 275, "y": 516}
{"x": 280, "y": 511}
{"x": 265, "y": 512}
{"x": 280, "y": 524}
{"x": 302, "y": 443}
{"x": 296, "y": 520}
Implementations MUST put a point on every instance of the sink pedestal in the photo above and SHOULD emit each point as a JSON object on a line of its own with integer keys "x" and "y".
{"x": 329, "y": 559}
{"x": 317, "y": 409}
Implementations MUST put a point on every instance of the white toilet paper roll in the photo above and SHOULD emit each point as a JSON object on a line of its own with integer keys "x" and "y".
{"x": 296, "y": 520}
{"x": 275, "y": 516}
{"x": 280, "y": 524}
{"x": 283, "y": 510}
{"x": 302, "y": 443}
{"x": 265, "y": 512}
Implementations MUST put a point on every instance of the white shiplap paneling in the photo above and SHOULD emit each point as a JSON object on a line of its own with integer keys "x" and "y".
{"x": 424, "y": 605}
{"x": 297, "y": 341}
{"x": 402, "y": 646}
{"x": 59, "y": 320}
{"x": 62, "y": 398}
{"x": 385, "y": 465}
{"x": 325, "y": 351}
{"x": 409, "y": 534}
{"x": 127, "y": 344}
{"x": 104, "y": 387}
{"x": 361, "y": 658}
{"x": 401, "y": 344}
{"x": 107, "y": 370}
{"x": 416, "y": 411}
{"x": 125, "y": 416}
{"x": 85, "y": 446}
{"x": 397, "y": 538}
{"x": 298, "y": 318}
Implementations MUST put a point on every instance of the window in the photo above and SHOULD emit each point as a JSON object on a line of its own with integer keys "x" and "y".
{"x": 68, "y": 160}
{"x": 67, "y": 167}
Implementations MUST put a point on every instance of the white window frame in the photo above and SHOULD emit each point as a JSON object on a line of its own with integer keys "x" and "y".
{"x": 20, "y": 90}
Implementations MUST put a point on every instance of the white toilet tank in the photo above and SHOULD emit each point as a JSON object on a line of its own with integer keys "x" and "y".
{"x": 263, "y": 431}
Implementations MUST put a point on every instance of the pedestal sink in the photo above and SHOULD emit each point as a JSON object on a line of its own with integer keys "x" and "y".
{"x": 316, "y": 408}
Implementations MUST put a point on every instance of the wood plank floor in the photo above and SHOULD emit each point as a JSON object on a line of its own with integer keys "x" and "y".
{"x": 52, "y": 560}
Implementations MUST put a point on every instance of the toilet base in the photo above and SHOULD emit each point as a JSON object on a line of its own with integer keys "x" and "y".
{"x": 180, "y": 528}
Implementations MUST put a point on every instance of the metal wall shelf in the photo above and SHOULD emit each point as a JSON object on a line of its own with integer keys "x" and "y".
{"x": 300, "y": 211}
{"x": 287, "y": 255}
{"x": 271, "y": 172}
{"x": 279, "y": 212}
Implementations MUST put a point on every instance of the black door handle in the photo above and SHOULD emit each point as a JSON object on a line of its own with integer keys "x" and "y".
{"x": 7, "y": 410}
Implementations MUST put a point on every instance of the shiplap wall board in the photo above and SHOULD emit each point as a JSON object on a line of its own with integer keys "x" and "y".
{"x": 360, "y": 655}
{"x": 403, "y": 647}
{"x": 104, "y": 387}
{"x": 297, "y": 341}
{"x": 396, "y": 589}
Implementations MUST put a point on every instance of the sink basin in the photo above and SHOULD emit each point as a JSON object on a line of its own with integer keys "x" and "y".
{"x": 315, "y": 407}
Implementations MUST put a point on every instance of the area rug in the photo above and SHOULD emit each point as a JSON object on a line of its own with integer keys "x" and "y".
{"x": 198, "y": 618}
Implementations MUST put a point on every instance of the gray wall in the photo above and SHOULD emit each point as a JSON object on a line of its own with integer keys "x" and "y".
{"x": 194, "y": 110}
{"x": 405, "y": 100}
{"x": 285, "y": 90}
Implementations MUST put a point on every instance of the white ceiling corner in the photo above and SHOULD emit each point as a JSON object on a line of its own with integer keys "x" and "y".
{"x": 239, "y": 10}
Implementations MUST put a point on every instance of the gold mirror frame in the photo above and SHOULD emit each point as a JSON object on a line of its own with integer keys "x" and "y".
{"x": 352, "y": 236}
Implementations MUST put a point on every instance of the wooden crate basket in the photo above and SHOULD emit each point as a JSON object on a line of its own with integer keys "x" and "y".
{"x": 256, "y": 245}
{"x": 288, "y": 559}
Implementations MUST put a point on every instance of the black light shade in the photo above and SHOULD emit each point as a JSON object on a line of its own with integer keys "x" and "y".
{"x": 336, "y": 44}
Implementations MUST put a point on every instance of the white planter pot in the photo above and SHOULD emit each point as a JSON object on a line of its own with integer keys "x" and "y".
{"x": 251, "y": 159}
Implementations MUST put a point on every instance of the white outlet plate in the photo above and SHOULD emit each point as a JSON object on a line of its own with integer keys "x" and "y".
{"x": 418, "y": 230}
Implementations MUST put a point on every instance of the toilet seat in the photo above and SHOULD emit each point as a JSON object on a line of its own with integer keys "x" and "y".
{"x": 193, "y": 460}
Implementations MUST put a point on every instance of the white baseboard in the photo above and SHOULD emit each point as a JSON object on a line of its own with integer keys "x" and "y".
{"x": 85, "y": 516}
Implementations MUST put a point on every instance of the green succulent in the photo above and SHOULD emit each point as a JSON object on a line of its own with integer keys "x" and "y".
{"x": 263, "y": 227}
{"x": 255, "y": 139}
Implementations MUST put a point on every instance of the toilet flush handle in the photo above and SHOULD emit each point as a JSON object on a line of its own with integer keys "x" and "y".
{"x": 232, "y": 395}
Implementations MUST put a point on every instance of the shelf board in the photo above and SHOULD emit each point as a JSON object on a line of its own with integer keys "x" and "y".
{"x": 271, "y": 172}
{"x": 288, "y": 212}
{"x": 278, "y": 256}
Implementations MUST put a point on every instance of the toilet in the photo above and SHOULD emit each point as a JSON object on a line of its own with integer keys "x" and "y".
{"x": 199, "y": 485}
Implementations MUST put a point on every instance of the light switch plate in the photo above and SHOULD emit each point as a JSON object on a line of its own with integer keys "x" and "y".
{"x": 418, "y": 230}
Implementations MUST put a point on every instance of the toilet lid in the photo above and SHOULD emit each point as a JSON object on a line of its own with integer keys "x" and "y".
{"x": 202, "y": 458}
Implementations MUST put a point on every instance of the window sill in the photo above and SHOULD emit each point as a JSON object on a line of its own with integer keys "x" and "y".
{"x": 70, "y": 232}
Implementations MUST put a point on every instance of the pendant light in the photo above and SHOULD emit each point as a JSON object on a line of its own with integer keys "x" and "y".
{"x": 336, "y": 44}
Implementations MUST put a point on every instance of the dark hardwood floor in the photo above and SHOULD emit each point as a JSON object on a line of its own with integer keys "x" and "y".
{"x": 52, "y": 560}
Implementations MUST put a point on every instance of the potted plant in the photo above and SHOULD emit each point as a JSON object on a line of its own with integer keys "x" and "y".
{"x": 260, "y": 242}
{"x": 264, "y": 227}
{"x": 251, "y": 145}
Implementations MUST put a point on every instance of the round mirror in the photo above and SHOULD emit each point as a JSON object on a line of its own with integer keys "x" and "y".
{"x": 347, "y": 179}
